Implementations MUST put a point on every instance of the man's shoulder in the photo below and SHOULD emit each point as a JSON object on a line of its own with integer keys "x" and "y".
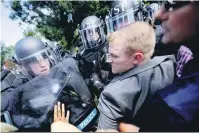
{"x": 165, "y": 63}
{"x": 121, "y": 86}
{"x": 161, "y": 61}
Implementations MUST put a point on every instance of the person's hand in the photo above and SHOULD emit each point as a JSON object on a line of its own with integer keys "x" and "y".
{"x": 61, "y": 122}
{"x": 59, "y": 113}
{"x": 124, "y": 127}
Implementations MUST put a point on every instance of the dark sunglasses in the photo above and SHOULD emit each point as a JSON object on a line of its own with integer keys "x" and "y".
{"x": 175, "y": 4}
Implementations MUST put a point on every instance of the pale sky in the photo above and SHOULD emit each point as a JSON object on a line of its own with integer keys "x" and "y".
{"x": 11, "y": 32}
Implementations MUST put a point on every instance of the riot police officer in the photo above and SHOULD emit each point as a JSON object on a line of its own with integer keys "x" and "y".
{"x": 50, "y": 80}
{"x": 11, "y": 77}
{"x": 93, "y": 58}
{"x": 10, "y": 74}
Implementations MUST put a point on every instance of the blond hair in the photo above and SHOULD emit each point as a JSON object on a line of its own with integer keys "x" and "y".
{"x": 138, "y": 36}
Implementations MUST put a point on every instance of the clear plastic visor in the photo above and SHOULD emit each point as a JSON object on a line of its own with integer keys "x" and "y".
{"x": 121, "y": 20}
{"x": 92, "y": 37}
{"x": 35, "y": 58}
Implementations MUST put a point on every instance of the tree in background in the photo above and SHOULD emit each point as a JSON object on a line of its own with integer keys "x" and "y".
{"x": 57, "y": 20}
{"x": 6, "y": 55}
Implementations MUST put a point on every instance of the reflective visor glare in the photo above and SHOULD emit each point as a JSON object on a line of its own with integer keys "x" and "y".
{"x": 120, "y": 21}
{"x": 36, "y": 58}
{"x": 31, "y": 60}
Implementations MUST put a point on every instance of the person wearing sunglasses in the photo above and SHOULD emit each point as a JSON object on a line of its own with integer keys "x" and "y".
{"x": 176, "y": 107}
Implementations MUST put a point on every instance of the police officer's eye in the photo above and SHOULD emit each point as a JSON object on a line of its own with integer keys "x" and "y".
{"x": 90, "y": 32}
{"x": 44, "y": 55}
{"x": 34, "y": 61}
{"x": 31, "y": 61}
{"x": 97, "y": 30}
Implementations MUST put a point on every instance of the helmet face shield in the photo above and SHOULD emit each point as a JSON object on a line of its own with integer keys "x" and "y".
{"x": 92, "y": 32}
{"x": 92, "y": 37}
{"x": 35, "y": 57}
{"x": 37, "y": 63}
{"x": 123, "y": 13}
{"x": 121, "y": 20}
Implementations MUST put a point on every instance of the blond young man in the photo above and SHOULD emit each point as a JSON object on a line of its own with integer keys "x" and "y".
{"x": 137, "y": 75}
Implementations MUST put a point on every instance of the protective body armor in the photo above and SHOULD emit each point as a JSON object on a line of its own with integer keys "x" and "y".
{"x": 38, "y": 97}
{"x": 95, "y": 67}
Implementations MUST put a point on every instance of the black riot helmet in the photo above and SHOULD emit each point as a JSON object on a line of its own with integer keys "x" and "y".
{"x": 123, "y": 13}
{"x": 29, "y": 51}
{"x": 92, "y": 32}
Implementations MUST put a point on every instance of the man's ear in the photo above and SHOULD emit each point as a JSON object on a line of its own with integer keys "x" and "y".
{"x": 138, "y": 57}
